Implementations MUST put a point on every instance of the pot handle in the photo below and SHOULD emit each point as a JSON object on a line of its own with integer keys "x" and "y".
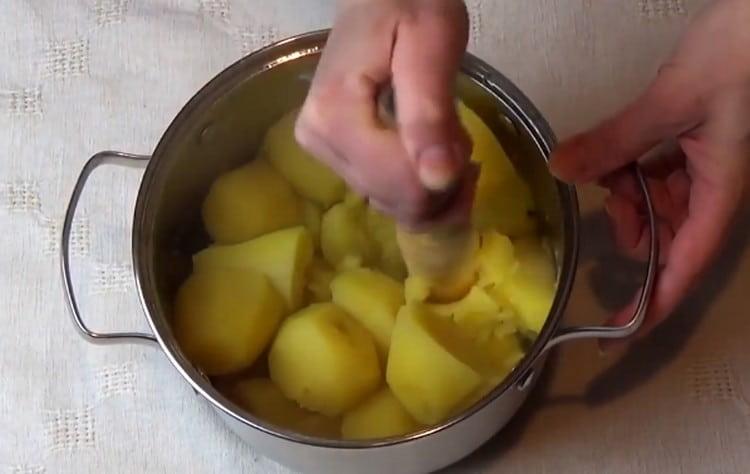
{"x": 104, "y": 157}
{"x": 618, "y": 332}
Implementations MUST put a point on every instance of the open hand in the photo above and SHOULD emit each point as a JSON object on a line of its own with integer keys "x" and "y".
{"x": 695, "y": 120}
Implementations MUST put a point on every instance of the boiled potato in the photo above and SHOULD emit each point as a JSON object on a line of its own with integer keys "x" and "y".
{"x": 224, "y": 318}
{"x": 484, "y": 335}
{"x": 426, "y": 377}
{"x": 373, "y": 299}
{"x": 496, "y": 258}
{"x": 383, "y": 231}
{"x": 416, "y": 289}
{"x": 535, "y": 260}
{"x": 532, "y": 302}
{"x": 319, "y": 280}
{"x": 528, "y": 287}
{"x": 308, "y": 176}
{"x": 502, "y": 201}
{"x": 481, "y": 326}
{"x": 324, "y": 360}
{"x": 321, "y": 426}
{"x": 503, "y": 351}
{"x": 476, "y": 301}
{"x": 311, "y": 217}
{"x": 343, "y": 235}
{"x": 284, "y": 256}
{"x": 380, "y": 416}
{"x": 262, "y": 398}
{"x": 249, "y": 201}
{"x": 478, "y": 315}
{"x": 474, "y": 348}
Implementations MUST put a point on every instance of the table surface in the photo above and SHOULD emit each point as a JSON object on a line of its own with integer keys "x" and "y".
{"x": 79, "y": 77}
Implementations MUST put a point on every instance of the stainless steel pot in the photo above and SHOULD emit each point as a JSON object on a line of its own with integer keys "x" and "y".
{"x": 222, "y": 126}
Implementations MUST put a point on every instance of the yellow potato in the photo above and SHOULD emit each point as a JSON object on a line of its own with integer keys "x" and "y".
{"x": 416, "y": 289}
{"x": 476, "y": 301}
{"x": 380, "y": 416}
{"x": 531, "y": 300}
{"x": 262, "y": 398}
{"x": 324, "y": 360}
{"x": 503, "y": 351}
{"x": 503, "y": 201}
{"x": 308, "y": 176}
{"x": 478, "y": 315}
{"x": 343, "y": 235}
{"x": 535, "y": 260}
{"x": 225, "y": 318}
{"x": 530, "y": 287}
{"x": 249, "y": 201}
{"x": 319, "y": 280}
{"x": 426, "y": 377}
{"x": 489, "y": 351}
{"x": 312, "y": 216}
{"x": 496, "y": 258}
{"x": 284, "y": 256}
{"x": 484, "y": 335}
{"x": 321, "y": 426}
{"x": 480, "y": 326}
{"x": 373, "y": 299}
{"x": 382, "y": 228}
{"x": 475, "y": 349}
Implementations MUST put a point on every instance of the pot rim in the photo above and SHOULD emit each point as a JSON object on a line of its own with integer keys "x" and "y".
{"x": 523, "y": 113}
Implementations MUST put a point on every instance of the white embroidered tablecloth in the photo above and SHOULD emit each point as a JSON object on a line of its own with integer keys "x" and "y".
{"x": 80, "y": 76}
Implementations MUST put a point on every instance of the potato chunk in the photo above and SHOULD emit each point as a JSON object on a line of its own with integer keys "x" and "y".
{"x": 535, "y": 260}
{"x": 380, "y": 416}
{"x": 224, "y": 318}
{"x": 484, "y": 335}
{"x": 249, "y": 201}
{"x": 312, "y": 217}
{"x": 495, "y": 258}
{"x": 262, "y": 398}
{"x": 344, "y": 236}
{"x": 308, "y": 176}
{"x": 416, "y": 289}
{"x": 283, "y": 256}
{"x": 373, "y": 299}
{"x": 476, "y": 301}
{"x": 319, "y": 280}
{"x": 530, "y": 289}
{"x": 502, "y": 201}
{"x": 324, "y": 360}
{"x": 423, "y": 374}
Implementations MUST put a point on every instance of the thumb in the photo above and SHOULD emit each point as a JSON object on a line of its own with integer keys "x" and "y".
{"x": 669, "y": 107}
{"x": 427, "y": 54}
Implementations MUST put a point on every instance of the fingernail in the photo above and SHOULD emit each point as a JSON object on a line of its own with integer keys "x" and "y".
{"x": 438, "y": 167}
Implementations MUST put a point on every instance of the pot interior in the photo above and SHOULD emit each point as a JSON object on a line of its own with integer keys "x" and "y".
{"x": 222, "y": 127}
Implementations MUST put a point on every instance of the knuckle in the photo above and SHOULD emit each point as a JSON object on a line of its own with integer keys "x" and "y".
{"x": 316, "y": 120}
{"x": 302, "y": 133}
